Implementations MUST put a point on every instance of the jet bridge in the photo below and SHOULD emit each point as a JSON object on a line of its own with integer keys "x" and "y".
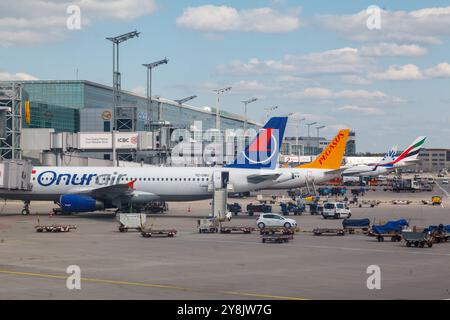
{"x": 15, "y": 175}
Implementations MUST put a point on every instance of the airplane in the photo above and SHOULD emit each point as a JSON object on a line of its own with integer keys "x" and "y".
{"x": 371, "y": 168}
{"x": 87, "y": 189}
{"x": 325, "y": 167}
{"x": 390, "y": 162}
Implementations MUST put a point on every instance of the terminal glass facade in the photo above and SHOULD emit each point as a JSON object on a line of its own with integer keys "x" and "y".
{"x": 74, "y": 106}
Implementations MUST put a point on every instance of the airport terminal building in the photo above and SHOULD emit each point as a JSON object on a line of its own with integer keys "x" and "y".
{"x": 79, "y": 105}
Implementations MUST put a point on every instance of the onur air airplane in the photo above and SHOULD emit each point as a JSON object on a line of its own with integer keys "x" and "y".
{"x": 390, "y": 161}
{"x": 325, "y": 167}
{"x": 87, "y": 189}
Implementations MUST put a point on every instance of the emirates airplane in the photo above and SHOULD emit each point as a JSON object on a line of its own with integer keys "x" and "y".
{"x": 87, "y": 189}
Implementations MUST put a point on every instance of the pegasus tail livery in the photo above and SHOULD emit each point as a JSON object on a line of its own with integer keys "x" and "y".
{"x": 263, "y": 152}
{"x": 331, "y": 157}
{"x": 325, "y": 167}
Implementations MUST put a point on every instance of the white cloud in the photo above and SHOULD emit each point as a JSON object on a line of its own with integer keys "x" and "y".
{"x": 393, "y": 50}
{"x": 319, "y": 93}
{"x": 342, "y": 60}
{"x": 406, "y": 72}
{"x": 34, "y": 22}
{"x": 442, "y": 70}
{"x": 354, "y": 79}
{"x": 421, "y": 26}
{"x": 6, "y": 76}
{"x": 211, "y": 18}
{"x": 413, "y": 72}
{"x": 140, "y": 90}
{"x": 363, "y": 110}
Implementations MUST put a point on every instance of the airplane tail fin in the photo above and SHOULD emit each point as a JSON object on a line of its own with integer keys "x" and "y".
{"x": 263, "y": 152}
{"x": 331, "y": 157}
{"x": 389, "y": 156}
{"x": 411, "y": 153}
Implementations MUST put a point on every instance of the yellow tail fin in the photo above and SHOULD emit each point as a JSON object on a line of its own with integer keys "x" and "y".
{"x": 331, "y": 156}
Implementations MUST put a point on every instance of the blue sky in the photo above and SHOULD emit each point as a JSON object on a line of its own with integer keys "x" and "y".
{"x": 315, "y": 58}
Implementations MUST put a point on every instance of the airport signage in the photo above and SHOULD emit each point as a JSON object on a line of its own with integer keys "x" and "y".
{"x": 126, "y": 140}
{"x": 95, "y": 141}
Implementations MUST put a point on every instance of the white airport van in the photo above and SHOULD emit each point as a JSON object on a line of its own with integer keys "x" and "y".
{"x": 336, "y": 210}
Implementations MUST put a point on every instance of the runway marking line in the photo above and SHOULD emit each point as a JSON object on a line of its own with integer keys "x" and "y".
{"x": 148, "y": 285}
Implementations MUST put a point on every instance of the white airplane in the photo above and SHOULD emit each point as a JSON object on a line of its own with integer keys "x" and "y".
{"x": 325, "y": 167}
{"x": 390, "y": 161}
{"x": 87, "y": 189}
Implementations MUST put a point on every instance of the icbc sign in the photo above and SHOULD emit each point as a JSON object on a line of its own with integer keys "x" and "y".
{"x": 126, "y": 140}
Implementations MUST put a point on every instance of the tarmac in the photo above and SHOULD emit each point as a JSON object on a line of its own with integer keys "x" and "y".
{"x": 191, "y": 265}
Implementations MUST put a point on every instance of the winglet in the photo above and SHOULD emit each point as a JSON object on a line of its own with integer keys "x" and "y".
{"x": 331, "y": 156}
{"x": 131, "y": 183}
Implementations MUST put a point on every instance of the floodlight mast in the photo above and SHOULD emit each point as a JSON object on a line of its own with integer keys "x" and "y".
{"x": 218, "y": 93}
{"x": 309, "y": 125}
{"x": 318, "y": 129}
{"x": 297, "y": 131}
{"x": 149, "y": 67}
{"x": 269, "y": 110}
{"x": 246, "y": 102}
{"x": 117, "y": 82}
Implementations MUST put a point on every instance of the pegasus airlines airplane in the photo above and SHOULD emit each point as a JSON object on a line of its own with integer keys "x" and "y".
{"x": 87, "y": 189}
{"x": 390, "y": 161}
{"x": 325, "y": 167}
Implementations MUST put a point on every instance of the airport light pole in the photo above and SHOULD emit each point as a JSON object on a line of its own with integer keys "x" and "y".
{"x": 246, "y": 102}
{"x": 149, "y": 67}
{"x": 309, "y": 125}
{"x": 318, "y": 129}
{"x": 297, "y": 131}
{"x": 269, "y": 110}
{"x": 117, "y": 82}
{"x": 218, "y": 93}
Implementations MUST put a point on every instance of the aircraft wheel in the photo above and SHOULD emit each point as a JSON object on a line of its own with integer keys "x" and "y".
{"x": 25, "y": 212}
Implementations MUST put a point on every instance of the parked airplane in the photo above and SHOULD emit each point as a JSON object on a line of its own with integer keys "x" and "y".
{"x": 371, "y": 168}
{"x": 325, "y": 167}
{"x": 86, "y": 189}
{"x": 390, "y": 162}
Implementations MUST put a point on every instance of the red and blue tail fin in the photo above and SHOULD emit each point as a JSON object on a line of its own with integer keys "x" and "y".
{"x": 263, "y": 152}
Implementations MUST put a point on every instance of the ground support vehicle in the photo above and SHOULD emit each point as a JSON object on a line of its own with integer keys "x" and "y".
{"x": 352, "y": 225}
{"x": 328, "y": 232}
{"x": 261, "y": 208}
{"x": 55, "y": 228}
{"x": 278, "y": 238}
{"x": 417, "y": 239}
{"x": 129, "y": 221}
{"x": 208, "y": 225}
{"x": 147, "y": 233}
{"x": 241, "y": 229}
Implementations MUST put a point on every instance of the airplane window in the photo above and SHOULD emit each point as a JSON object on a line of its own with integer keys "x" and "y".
{"x": 171, "y": 179}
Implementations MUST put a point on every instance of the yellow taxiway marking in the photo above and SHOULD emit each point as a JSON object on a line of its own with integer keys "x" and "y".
{"x": 148, "y": 285}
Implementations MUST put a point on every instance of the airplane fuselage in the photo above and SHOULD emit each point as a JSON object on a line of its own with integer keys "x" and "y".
{"x": 166, "y": 183}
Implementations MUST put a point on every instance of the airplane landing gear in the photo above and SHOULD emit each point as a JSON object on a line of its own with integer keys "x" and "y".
{"x": 26, "y": 208}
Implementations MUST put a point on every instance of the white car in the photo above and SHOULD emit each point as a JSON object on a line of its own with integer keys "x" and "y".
{"x": 336, "y": 210}
{"x": 274, "y": 220}
{"x": 444, "y": 181}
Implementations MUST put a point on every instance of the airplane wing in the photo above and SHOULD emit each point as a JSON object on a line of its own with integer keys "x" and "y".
{"x": 336, "y": 171}
{"x": 110, "y": 192}
{"x": 257, "y": 178}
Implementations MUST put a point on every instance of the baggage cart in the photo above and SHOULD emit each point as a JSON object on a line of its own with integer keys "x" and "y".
{"x": 169, "y": 233}
{"x": 417, "y": 239}
{"x": 129, "y": 221}
{"x": 328, "y": 232}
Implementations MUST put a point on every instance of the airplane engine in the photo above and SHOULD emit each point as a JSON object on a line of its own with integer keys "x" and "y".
{"x": 79, "y": 203}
